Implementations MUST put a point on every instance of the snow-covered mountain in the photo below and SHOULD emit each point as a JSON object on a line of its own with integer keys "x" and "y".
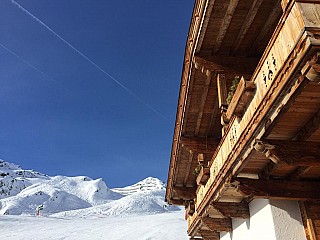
{"x": 72, "y": 203}
{"x": 147, "y": 184}
{"x": 21, "y": 191}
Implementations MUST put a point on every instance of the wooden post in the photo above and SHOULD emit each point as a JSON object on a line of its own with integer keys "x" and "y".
{"x": 222, "y": 91}
{"x": 222, "y": 97}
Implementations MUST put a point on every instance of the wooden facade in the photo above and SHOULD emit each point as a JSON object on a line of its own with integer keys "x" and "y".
{"x": 262, "y": 141}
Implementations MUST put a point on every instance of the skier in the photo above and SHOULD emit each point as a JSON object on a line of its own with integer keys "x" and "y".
{"x": 38, "y": 209}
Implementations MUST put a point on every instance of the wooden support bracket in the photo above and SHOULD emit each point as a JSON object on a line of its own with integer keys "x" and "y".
{"x": 279, "y": 189}
{"x": 232, "y": 210}
{"x": 293, "y": 153}
{"x": 217, "y": 224}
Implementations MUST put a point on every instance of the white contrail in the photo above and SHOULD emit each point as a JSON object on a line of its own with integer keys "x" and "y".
{"x": 89, "y": 60}
{"x": 32, "y": 66}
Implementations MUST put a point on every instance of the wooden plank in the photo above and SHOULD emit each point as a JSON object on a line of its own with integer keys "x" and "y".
{"x": 279, "y": 189}
{"x": 247, "y": 23}
{"x": 232, "y": 210}
{"x": 217, "y": 224}
{"x": 225, "y": 24}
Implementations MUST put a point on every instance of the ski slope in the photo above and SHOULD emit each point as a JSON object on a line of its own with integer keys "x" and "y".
{"x": 84, "y": 208}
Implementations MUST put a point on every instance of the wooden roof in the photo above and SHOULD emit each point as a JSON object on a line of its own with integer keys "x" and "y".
{"x": 225, "y": 36}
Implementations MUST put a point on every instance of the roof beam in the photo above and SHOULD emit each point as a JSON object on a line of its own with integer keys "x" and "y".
{"x": 279, "y": 189}
{"x": 225, "y": 24}
{"x": 203, "y": 101}
{"x": 199, "y": 144}
{"x": 187, "y": 173}
{"x": 217, "y": 224}
{"x": 179, "y": 202}
{"x": 293, "y": 153}
{"x": 209, "y": 235}
{"x": 243, "y": 66}
{"x": 232, "y": 210}
{"x": 247, "y": 23}
{"x": 185, "y": 193}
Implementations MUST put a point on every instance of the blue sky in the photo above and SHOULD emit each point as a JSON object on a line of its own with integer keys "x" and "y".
{"x": 61, "y": 115}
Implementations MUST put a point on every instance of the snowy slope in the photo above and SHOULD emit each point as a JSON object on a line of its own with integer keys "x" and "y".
{"x": 24, "y": 190}
{"x": 72, "y": 203}
{"x": 77, "y": 196}
{"x": 170, "y": 226}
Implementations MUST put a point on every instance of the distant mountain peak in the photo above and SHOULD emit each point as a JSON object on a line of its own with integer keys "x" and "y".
{"x": 147, "y": 184}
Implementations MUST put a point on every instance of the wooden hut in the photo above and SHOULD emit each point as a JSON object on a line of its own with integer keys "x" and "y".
{"x": 245, "y": 158}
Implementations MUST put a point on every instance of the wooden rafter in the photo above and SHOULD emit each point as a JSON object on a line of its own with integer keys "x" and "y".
{"x": 202, "y": 102}
{"x": 296, "y": 174}
{"x": 247, "y": 23}
{"x": 187, "y": 173}
{"x": 279, "y": 189}
{"x": 269, "y": 22}
{"x": 232, "y": 210}
{"x": 217, "y": 224}
{"x": 225, "y": 24}
{"x": 307, "y": 130}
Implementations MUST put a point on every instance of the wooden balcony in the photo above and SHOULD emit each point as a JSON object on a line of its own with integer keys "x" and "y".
{"x": 263, "y": 143}
{"x": 288, "y": 65}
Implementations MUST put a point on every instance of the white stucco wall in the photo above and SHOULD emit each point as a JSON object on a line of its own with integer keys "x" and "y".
{"x": 269, "y": 220}
{"x": 287, "y": 220}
